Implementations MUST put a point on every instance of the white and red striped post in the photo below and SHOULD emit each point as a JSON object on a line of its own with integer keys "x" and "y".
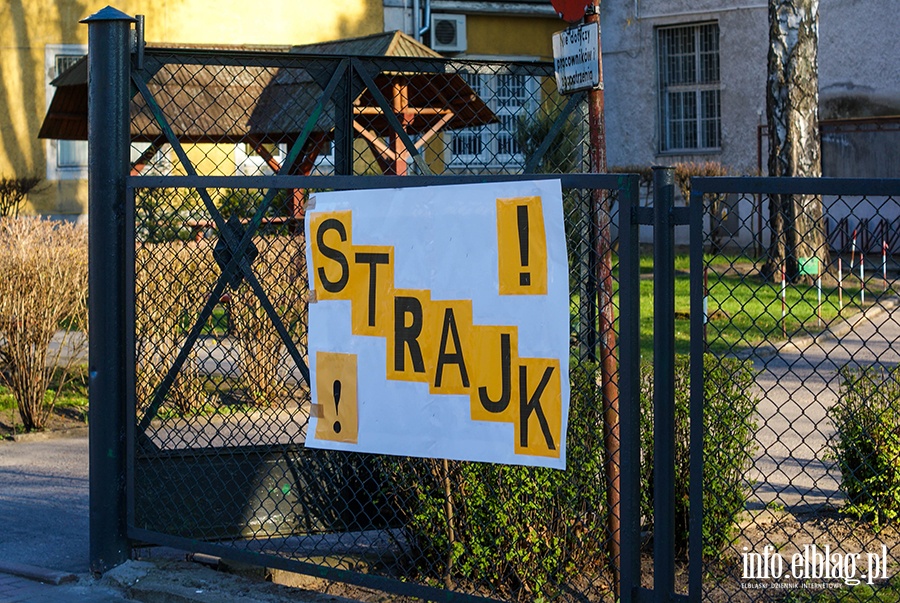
{"x": 840, "y": 284}
{"x": 862, "y": 278}
{"x": 783, "y": 306}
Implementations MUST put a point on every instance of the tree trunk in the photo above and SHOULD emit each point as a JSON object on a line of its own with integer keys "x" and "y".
{"x": 792, "y": 97}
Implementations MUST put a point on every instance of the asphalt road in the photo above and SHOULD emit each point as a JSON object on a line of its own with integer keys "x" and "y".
{"x": 44, "y": 503}
{"x": 797, "y": 385}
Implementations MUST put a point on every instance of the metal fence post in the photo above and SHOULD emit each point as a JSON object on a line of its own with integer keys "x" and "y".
{"x": 663, "y": 383}
{"x": 108, "y": 144}
{"x": 629, "y": 390}
{"x": 698, "y": 349}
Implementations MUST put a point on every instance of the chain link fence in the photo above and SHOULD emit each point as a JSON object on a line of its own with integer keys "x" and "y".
{"x": 801, "y": 390}
{"x": 800, "y": 426}
{"x": 221, "y": 398}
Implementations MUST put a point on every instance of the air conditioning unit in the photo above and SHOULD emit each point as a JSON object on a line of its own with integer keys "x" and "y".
{"x": 448, "y": 33}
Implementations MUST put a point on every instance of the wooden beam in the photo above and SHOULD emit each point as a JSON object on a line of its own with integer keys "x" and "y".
{"x": 141, "y": 162}
{"x": 414, "y": 110}
{"x": 266, "y": 155}
{"x": 384, "y": 155}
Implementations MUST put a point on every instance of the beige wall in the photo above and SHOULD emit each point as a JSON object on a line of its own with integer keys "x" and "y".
{"x": 27, "y": 26}
{"x": 499, "y": 35}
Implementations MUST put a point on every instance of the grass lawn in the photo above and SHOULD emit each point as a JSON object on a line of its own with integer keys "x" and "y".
{"x": 744, "y": 309}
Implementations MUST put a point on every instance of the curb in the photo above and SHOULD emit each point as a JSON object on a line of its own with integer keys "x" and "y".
{"x": 38, "y": 574}
{"x": 837, "y": 331}
{"x": 37, "y": 436}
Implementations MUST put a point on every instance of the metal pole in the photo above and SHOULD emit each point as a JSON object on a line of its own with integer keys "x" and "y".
{"x": 664, "y": 384}
{"x": 629, "y": 392}
{"x": 609, "y": 370}
{"x": 699, "y": 345}
{"x": 109, "y": 65}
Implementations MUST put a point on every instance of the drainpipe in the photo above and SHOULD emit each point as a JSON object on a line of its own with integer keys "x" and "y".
{"x": 426, "y": 25}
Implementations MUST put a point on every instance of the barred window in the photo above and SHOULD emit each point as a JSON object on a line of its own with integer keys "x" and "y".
{"x": 509, "y": 96}
{"x": 689, "y": 87}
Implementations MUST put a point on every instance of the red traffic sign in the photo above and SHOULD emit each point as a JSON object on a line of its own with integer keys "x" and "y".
{"x": 571, "y": 10}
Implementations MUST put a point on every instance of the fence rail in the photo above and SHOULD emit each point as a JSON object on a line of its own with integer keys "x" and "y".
{"x": 784, "y": 388}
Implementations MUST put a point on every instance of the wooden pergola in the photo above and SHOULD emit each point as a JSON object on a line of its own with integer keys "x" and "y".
{"x": 261, "y": 103}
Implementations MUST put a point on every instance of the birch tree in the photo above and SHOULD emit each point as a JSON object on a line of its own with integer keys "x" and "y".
{"x": 792, "y": 97}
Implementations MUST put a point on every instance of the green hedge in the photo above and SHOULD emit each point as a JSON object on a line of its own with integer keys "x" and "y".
{"x": 527, "y": 530}
{"x": 866, "y": 445}
{"x": 523, "y": 529}
{"x": 729, "y": 425}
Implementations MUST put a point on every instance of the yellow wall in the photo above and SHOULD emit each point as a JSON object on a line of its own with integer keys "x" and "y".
{"x": 512, "y": 36}
{"x": 27, "y": 26}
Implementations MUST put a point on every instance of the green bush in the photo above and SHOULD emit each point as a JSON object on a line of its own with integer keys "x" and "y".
{"x": 528, "y": 530}
{"x": 522, "y": 529}
{"x": 162, "y": 215}
{"x": 866, "y": 445}
{"x": 728, "y": 427}
{"x": 562, "y": 155}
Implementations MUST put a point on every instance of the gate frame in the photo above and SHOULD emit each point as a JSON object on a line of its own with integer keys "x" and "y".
{"x": 662, "y": 217}
{"x": 628, "y": 188}
{"x": 112, "y": 296}
{"x": 113, "y": 434}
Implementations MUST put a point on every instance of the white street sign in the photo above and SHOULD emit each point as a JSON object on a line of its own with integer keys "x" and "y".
{"x": 575, "y": 58}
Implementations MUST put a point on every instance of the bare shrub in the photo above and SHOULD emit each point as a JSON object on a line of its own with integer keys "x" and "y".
{"x": 13, "y": 192}
{"x": 714, "y": 204}
{"x": 172, "y": 281}
{"x": 43, "y": 300}
{"x": 260, "y": 349}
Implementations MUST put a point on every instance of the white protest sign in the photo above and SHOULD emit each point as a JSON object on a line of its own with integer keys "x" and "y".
{"x": 440, "y": 322}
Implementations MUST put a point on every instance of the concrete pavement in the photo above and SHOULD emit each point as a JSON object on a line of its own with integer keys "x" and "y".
{"x": 797, "y": 383}
{"x": 44, "y": 551}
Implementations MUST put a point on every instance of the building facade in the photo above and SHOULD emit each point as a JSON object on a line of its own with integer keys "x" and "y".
{"x": 685, "y": 80}
{"x": 40, "y": 38}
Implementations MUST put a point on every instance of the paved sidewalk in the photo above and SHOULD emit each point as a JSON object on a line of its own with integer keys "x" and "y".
{"x": 15, "y": 589}
{"x": 44, "y": 553}
{"x": 798, "y": 382}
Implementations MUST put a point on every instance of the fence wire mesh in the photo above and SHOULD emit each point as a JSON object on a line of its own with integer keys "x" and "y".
{"x": 802, "y": 413}
{"x": 222, "y": 405}
{"x": 222, "y": 411}
{"x": 801, "y": 408}
{"x": 244, "y": 114}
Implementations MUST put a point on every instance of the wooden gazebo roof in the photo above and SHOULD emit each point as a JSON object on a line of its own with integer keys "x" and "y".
{"x": 215, "y": 103}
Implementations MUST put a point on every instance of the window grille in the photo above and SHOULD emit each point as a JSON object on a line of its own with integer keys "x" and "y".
{"x": 509, "y": 96}
{"x": 690, "y": 113}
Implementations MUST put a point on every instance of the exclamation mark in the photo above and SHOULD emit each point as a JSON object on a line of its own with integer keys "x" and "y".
{"x": 337, "y": 401}
{"x": 522, "y": 219}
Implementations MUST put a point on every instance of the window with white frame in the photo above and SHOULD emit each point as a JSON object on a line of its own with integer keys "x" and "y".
{"x": 249, "y": 162}
{"x": 689, "y": 88}
{"x": 66, "y": 159}
{"x": 509, "y": 96}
